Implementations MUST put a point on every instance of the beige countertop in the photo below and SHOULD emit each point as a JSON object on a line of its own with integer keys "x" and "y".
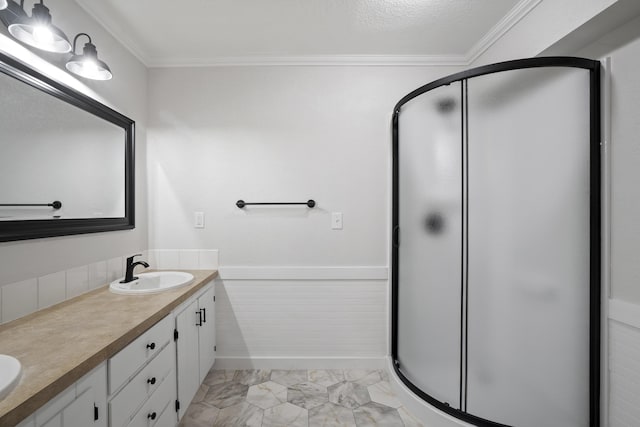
{"x": 60, "y": 344}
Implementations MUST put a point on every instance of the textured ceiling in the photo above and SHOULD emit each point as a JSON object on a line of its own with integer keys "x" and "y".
{"x": 162, "y": 32}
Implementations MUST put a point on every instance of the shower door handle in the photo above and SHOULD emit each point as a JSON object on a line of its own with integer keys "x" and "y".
{"x": 396, "y": 236}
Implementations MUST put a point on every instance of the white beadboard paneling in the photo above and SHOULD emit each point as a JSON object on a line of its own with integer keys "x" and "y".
{"x": 625, "y": 312}
{"x": 51, "y": 289}
{"x": 77, "y": 281}
{"x": 97, "y": 274}
{"x": 19, "y": 299}
{"x": 304, "y": 273}
{"x": 115, "y": 269}
{"x": 301, "y": 318}
{"x": 208, "y": 259}
{"x": 189, "y": 259}
{"x": 624, "y": 380}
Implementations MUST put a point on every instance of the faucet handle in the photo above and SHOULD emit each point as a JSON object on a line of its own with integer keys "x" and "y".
{"x": 130, "y": 259}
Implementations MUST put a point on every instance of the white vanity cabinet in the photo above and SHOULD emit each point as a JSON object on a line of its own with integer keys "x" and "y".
{"x": 142, "y": 381}
{"x": 82, "y": 404}
{"x": 196, "y": 335}
{"x": 150, "y": 381}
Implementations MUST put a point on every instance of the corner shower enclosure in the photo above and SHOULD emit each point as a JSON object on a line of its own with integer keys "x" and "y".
{"x": 496, "y": 243}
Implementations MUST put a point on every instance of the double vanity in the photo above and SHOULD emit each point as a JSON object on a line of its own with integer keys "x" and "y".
{"x": 131, "y": 358}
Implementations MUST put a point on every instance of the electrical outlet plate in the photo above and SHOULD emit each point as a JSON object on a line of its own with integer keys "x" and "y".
{"x": 336, "y": 220}
{"x": 198, "y": 220}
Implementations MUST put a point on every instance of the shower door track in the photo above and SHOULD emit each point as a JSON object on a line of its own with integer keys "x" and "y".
{"x": 594, "y": 227}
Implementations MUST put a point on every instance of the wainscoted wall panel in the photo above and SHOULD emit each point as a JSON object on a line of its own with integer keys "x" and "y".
{"x": 279, "y": 318}
{"x": 624, "y": 371}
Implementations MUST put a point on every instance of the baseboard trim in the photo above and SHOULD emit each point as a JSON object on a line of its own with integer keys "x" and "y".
{"x": 624, "y": 312}
{"x": 300, "y": 363}
{"x": 304, "y": 273}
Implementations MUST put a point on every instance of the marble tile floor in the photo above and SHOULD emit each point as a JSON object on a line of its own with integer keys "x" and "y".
{"x": 299, "y": 398}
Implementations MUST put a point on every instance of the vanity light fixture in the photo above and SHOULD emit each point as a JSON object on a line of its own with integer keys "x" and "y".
{"x": 88, "y": 65}
{"x": 38, "y": 31}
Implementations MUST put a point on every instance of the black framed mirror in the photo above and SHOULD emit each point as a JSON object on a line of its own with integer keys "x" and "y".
{"x": 66, "y": 162}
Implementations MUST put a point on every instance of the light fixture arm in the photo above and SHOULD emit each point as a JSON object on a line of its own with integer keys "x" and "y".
{"x": 75, "y": 39}
{"x": 22, "y": 3}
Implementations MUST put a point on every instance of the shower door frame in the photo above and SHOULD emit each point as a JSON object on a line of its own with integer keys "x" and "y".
{"x": 594, "y": 221}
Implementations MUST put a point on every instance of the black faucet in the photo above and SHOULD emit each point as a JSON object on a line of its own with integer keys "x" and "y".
{"x": 128, "y": 277}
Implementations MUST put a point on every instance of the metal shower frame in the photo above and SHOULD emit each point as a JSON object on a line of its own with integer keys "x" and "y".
{"x": 594, "y": 222}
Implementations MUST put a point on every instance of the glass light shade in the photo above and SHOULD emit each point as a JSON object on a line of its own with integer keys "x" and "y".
{"x": 3, "y": 4}
{"x": 39, "y": 32}
{"x": 88, "y": 65}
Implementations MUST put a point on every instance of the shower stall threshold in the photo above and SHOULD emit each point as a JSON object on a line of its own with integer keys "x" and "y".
{"x": 427, "y": 414}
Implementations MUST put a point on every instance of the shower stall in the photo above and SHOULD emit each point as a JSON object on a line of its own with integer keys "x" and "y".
{"x": 496, "y": 243}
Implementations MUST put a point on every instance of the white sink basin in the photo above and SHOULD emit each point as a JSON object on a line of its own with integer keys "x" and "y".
{"x": 151, "y": 283}
{"x": 10, "y": 371}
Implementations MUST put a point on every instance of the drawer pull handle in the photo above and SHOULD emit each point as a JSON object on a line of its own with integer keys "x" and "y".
{"x": 204, "y": 315}
{"x": 199, "y": 313}
{"x": 151, "y": 346}
{"x": 151, "y": 381}
{"x": 152, "y": 416}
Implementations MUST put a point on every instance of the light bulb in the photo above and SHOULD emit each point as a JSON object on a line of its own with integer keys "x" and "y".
{"x": 43, "y": 35}
{"x": 89, "y": 67}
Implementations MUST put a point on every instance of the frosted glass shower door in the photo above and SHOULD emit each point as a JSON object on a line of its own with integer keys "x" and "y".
{"x": 528, "y": 237}
{"x": 429, "y": 202}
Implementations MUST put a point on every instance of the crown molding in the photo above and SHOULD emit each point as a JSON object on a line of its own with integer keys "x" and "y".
{"x": 115, "y": 29}
{"x": 515, "y": 15}
{"x": 503, "y": 26}
{"x": 315, "y": 60}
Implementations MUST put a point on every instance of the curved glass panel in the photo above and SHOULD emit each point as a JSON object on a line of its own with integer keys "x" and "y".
{"x": 430, "y": 215}
{"x": 529, "y": 247}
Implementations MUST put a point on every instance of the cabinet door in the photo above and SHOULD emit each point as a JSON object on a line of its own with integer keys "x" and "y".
{"x": 96, "y": 383}
{"x": 54, "y": 422}
{"x": 80, "y": 411}
{"x": 29, "y": 422}
{"x": 187, "y": 354}
{"x": 207, "y": 333}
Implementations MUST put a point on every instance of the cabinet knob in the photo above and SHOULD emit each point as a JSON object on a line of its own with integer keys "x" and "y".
{"x": 151, "y": 346}
{"x": 152, "y": 416}
{"x": 151, "y": 381}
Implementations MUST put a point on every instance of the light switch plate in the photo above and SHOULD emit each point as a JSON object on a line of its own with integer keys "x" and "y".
{"x": 336, "y": 220}
{"x": 198, "y": 220}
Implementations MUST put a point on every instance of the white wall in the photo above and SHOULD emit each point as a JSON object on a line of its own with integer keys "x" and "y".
{"x": 623, "y": 47}
{"x": 126, "y": 93}
{"x": 274, "y": 134}
{"x": 217, "y": 135}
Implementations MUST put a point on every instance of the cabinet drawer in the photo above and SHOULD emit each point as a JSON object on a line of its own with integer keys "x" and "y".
{"x": 144, "y": 384}
{"x": 168, "y": 417}
{"x": 159, "y": 405}
{"x": 124, "y": 364}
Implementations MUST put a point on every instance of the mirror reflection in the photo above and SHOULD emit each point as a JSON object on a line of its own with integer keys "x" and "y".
{"x": 55, "y": 151}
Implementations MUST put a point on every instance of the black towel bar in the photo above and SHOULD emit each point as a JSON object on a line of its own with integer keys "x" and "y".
{"x": 55, "y": 205}
{"x": 241, "y": 203}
